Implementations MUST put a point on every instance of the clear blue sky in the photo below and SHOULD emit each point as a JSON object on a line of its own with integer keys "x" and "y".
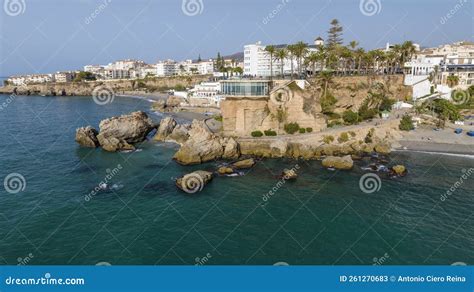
{"x": 53, "y": 35}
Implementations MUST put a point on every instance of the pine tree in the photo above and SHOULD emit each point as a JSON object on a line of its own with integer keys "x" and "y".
{"x": 199, "y": 58}
{"x": 334, "y": 34}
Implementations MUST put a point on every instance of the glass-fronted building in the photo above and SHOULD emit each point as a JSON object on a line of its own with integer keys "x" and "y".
{"x": 245, "y": 88}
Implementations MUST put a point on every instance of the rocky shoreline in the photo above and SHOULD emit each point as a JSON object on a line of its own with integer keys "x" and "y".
{"x": 198, "y": 144}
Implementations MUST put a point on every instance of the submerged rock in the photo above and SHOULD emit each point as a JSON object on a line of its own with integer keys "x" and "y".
{"x": 225, "y": 170}
{"x": 194, "y": 182}
{"x": 343, "y": 163}
{"x": 243, "y": 164}
{"x": 399, "y": 170}
{"x": 87, "y": 137}
{"x": 289, "y": 174}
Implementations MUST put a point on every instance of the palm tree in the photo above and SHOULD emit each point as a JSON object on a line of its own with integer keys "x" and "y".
{"x": 359, "y": 54}
{"x": 271, "y": 51}
{"x": 281, "y": 55}
{"x": 300, "y": 51}
{"x": 312, "y": 59}
{"x": 291, "y": 52}
{"x": 325, "y": 78}
{"x": 452, "y": 81}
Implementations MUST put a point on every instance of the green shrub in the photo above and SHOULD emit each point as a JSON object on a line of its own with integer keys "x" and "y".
{"x": 369, "y": 136}
{"x": 350, "y": 117}
{"x": 352, "y": 133}
{"x": 328, "y": 139}
{"x": 180, "y": 87}
{"x": 292, "y": 128}
{"x": 257, "y": 134}
{"x": 218, "y": 118}
{"x": 302, "y": 130}
{"x": 343, "y": 137}
{"x": 270, "y": 133}
{"x": 309, "y": 129}
{"x": 406, "y": 123}
{"x": 334, "y": 123}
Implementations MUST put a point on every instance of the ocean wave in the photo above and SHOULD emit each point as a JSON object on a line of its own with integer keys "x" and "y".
{"x": 470, "y": 156}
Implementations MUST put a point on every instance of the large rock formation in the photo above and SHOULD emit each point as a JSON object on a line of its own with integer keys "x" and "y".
{"x": 202, "y": 145}
{"x": 117, "y": 133}
{"x": 194, "y": 182}
{"x": 344, "y": 163}
{"x": 87, "y": 137}
{"x": 166, "y": 127}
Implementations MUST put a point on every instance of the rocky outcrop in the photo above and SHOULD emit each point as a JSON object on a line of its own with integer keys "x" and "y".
{"x": 132, "y": 128}
{"x": 87, "y": 137}
{"x": 180, "y": 134}
{"x": 194, "y": 182}
{"x": 117, "y": 133}
{"x": 202, "y": 146}
{"x": 383, "y": 148}
{"x": 231, "y": 149}
{"x": 243, "y": 164}
{"x": 165, "y": 128}
{"x": 113, "y": 144}
{"x": 343, "y": 163}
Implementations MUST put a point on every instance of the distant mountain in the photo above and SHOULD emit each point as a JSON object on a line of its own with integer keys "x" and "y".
{"x": 237, "y": 56}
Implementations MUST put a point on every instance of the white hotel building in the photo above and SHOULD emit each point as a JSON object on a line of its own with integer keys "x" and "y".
{"x": 257, "y": 60}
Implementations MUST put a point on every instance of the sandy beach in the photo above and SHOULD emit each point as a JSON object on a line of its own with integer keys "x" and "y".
{"x": 425, "y": 139}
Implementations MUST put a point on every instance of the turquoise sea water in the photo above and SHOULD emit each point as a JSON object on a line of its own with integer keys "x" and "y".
{"x": 321, "y": 218}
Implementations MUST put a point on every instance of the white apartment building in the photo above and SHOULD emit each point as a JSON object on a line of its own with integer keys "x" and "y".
{"x": 206, "y": 94}
{"x": 148, "y": 70}
{"x": 257, "y": 60}
{"x": 64, "y": 76}
{"x": 166, "y": 68}
{"x": 96, "y": 69}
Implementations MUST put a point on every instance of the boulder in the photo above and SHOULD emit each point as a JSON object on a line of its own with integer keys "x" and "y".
{"x": 383, "y": 148}
{"x": 225, "y": 170}
{"x": 246, "y": 163}
{"x": 174, "y": 101}
{"x": 289, "y": 174}
{"x": 87, "y": 137}
{"x": 399, "y": 170}
{"x": 194, "y": 182}
{"x": 343, "y": 163}
{"x": 166, "y": 127}
{"x": 278, "y": 148}
{"x": 113, "y": 144}
{"x": 179, "y": 135}
{"x": 231, "y": 149}
{"x": 126, "y": 130}
{"x": 202, "y": 146}
{"x": 159, "y": 105}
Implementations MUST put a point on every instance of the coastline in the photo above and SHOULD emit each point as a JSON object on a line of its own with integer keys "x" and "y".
{"x": 436, "y": 148}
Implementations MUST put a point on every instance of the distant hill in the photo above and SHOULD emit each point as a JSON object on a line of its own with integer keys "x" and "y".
{"x": 237, "y": 56}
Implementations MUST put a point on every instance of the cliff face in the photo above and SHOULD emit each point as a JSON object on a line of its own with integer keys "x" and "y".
{"x": 117, "y": 86}
{"x": 289, "y": 103}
